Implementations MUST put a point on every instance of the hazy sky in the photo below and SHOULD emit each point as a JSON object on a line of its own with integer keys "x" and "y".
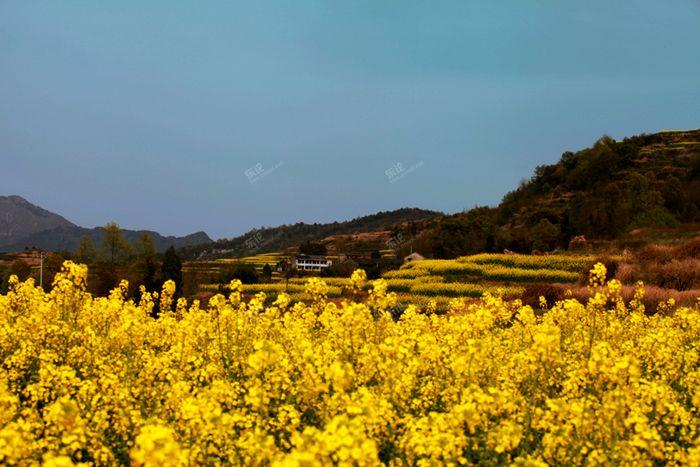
{"x": 223, "y": 116}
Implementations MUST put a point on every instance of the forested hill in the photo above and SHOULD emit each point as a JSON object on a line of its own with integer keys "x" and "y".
{"x": 68, "y": 238}
{"x": 25, "y": 225}
{"x": 270, "y": 239}
{"x": 602, "y": 192}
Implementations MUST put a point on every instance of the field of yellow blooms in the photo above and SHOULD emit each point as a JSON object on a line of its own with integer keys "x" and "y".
{"x": 100, "y": 381}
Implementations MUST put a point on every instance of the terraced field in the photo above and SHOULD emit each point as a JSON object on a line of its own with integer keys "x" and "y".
{"x": 437, "y": 283}
{"x": 208, "y": 272}
{"x": 471, "y": 276}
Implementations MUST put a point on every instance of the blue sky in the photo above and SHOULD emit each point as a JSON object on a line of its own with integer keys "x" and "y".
{"x": 224, "y": 116}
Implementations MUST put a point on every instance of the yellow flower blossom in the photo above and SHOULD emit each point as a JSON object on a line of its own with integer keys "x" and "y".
{"x": 156, "y": 446}
{"x": 312, "y": 381}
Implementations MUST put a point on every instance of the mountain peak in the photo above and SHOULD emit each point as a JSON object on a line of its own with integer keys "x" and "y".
{"x": 20, "y": 218}
{"x": 23, "y": 224}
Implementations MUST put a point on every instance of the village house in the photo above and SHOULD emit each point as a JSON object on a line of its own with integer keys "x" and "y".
{"x": 310, "y": 263}
{"x": 413, "y": 257}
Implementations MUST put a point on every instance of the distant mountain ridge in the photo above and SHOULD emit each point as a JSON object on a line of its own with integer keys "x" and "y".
{"x": 25, "y": 225}
{"x": 19, "y": 218}
{"x": 602, "y": 193}
{"x": 274, "y": 239}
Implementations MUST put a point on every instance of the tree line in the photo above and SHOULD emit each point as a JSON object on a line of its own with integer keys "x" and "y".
{"x": 115, "y": 259}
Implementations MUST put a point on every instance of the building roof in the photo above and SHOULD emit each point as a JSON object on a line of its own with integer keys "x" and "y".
{"x": 312, "y": 257}
{"x": 414, "y": 257}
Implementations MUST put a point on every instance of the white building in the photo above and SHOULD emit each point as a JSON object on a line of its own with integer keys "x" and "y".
{"x": 310, "y": 263}
{"x": 413, "y": 257}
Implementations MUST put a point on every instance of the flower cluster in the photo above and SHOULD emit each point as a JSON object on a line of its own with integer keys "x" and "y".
{"x": 328, "y": 382}
{"x": 358, "y": 279}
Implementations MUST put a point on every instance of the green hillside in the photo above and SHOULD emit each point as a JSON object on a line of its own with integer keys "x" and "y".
{"x": 603, "y": 192}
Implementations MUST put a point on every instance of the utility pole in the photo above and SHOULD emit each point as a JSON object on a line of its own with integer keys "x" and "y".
{"x": 41, "y": 269}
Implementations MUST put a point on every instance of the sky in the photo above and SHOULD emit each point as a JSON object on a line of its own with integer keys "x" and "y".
{"x": 225, "y": 116}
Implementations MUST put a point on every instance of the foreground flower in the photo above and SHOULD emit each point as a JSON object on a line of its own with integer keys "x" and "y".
{"x": 100, "y": 381}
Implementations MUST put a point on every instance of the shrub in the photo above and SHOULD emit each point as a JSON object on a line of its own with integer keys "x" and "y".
{"x": 339, "y": 270}
{"x": 654, "y": 253}
{"x": 689, "y": 249}
{"x": 679, "y": 274}
{"x": 626, "y": 273}
{"x": 578, "y": 243}
{"x": 658, "y": 216}
{"x": 242, "y": 271}
{"x": 532, "y": 293}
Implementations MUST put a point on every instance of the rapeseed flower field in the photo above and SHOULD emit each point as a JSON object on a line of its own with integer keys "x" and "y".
{"x": 100, "y": 380}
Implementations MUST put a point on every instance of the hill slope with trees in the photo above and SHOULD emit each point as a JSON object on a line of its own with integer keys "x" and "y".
{"x": 273, "y": 239}
{"x": 603, "y": 192}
